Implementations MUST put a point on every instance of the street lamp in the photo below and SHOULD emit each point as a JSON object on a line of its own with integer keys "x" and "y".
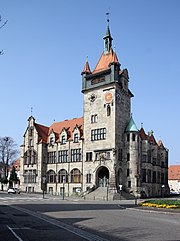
{"x": 43, "y": 186}
{"x": 64, "y": 179}
{"x": 107, "y": 189}
{"x": 120, "y": 188}
{"x": 162, "y": 188}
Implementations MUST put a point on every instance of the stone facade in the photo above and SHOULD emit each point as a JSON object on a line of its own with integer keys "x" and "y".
{"x": 102, "y": 149}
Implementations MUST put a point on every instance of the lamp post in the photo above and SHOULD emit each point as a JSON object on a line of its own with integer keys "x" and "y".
{"x": 162, "y": 188}
{"x": 107, "y": 189}
{"x": 63, "y": 186}
{"x": 43, "y": 186}
{"x": 120, "y": 188}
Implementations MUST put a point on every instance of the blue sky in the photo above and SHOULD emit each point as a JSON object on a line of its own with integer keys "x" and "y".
{"x": 46, "y": 43}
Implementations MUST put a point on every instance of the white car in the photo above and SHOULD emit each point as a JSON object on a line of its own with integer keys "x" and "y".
{"x": 13, "y": 190}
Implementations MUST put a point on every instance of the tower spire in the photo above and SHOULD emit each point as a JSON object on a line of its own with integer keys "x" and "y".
{"x": 107, "y": 39}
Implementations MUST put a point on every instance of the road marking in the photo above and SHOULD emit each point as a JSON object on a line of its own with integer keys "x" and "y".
{"x": 21, "y": 228}
{"x": 14, "y": 233}
{"x": 77, "y": 231}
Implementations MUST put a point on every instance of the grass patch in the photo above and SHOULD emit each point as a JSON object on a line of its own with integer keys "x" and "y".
{"x": 161, "y": 203}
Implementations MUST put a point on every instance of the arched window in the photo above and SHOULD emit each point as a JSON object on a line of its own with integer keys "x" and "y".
{"x": 51, "y": 176}
{"x": 108, "y": 110}
{"x": 75, "y": 176}
{"x": 62, "y": 176}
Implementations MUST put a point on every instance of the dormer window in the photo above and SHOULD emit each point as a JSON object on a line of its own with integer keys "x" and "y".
{"x": 51, "y": 141}
{"x": 63, "y": 139}
{"x": 76, "y": 137}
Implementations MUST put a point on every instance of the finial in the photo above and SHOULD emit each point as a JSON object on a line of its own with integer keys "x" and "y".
{"x": 141, "y": 124}
{"x": 87, "y": 58}
{"x": 31, "y": 111}
{"x": 107, "y": 14}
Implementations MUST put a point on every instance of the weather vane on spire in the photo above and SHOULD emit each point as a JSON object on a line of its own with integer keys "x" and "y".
{"x": 31, "y": 111}
{"x": 107, "y": 14}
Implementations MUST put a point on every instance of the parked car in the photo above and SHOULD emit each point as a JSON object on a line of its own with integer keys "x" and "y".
{"x": 174, "y": 192}
{"x": 13, "y": 190}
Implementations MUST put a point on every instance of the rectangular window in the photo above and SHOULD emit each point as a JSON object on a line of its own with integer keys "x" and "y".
{"x": 88, "y": 156}
{"x": 30, "y": 176}
{"x": 154, "y": 177}
{"x": 51, "y": 157}
{"x": 129, "y": 183}
{"x": 76, "y": 138}
{"x": 128, "y": 137}
{"x": 75, "y": 155}
{"x": 30, "y": 142}
{"x": 143, "y": 175}
{"x": 63, "y": 156}
{"x": 51, "y": 141}
{"x": 63, "y": 140}
{"x": 149, "y": 176}
{"x": 128, "y": 172}
{"x": 128, "y": 157}
{"x": 94, "y": 118}
{"x": 98, "y": 134}
{"x": 88, "y": 178}
{"x": 133, "y": 137}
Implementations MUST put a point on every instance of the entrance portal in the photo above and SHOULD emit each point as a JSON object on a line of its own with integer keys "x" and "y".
{"x": 102, "y": 177}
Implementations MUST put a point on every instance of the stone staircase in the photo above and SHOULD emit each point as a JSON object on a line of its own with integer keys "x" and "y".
{"x": 102, "y": 193}
{"x": 123, "y": 196}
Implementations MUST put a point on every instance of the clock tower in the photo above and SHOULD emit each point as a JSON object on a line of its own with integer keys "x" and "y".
{"x": 107, "y": 108}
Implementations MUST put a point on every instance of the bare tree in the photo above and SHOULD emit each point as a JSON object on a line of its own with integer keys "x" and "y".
{"x": 8, "y": 154}
{"x": 2, "y": 23}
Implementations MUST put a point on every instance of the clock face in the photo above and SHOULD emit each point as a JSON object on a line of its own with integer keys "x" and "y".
{"x": 108, "y": 97}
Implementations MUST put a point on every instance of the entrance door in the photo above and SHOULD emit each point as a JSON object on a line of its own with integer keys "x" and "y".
{"x": 102, "y": 177}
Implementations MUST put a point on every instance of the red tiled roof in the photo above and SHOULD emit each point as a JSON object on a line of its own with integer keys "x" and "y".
{"x": 57, "y": 127}
{"x": 86, "y": 69}
{"x": 69, "y": 125}
{"x": 174, "y": 172}
{"x": 152, "y": 139}
{"x": 42, "y": 132}
{"x": 142, "y": 134}
{"x": 105, "y": 61}
{"x": 149, "y": 137}
{"x": 160, "y": 144}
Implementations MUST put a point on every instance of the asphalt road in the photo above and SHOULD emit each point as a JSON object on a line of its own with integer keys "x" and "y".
{"x": 30, "y": 217}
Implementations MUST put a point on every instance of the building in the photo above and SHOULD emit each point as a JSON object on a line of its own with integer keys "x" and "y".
{"x": 102, "y": 148}
{"x": 174, "y": 179}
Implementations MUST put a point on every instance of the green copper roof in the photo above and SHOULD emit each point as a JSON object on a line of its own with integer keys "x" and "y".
{"x": 131, "y": 126}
